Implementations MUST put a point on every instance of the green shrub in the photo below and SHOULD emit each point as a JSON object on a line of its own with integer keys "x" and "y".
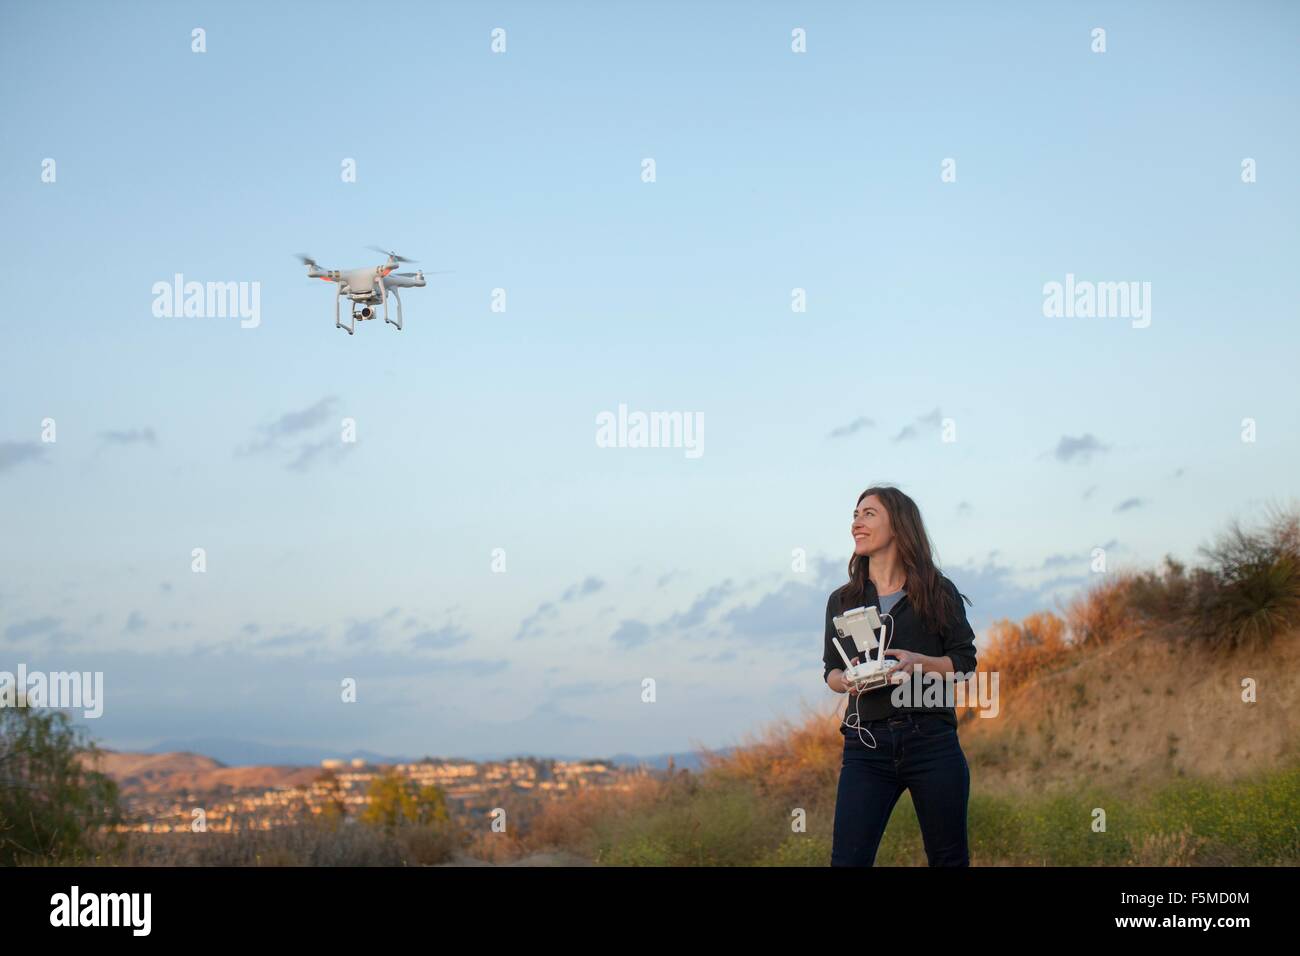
{"x": 1247, "y": 594}
{"x": 52, "y": 808}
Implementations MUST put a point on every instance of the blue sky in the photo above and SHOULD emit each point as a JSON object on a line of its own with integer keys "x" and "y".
{"x": 476, "y": 429}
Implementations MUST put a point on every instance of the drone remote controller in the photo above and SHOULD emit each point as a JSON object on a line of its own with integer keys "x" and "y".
{"x": 860, "y": 623}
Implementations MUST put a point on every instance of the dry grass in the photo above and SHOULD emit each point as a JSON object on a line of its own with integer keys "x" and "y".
{"x": 307, "y": 842}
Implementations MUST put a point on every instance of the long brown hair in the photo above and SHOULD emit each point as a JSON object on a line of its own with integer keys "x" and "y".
{"x": 935, "y": 605}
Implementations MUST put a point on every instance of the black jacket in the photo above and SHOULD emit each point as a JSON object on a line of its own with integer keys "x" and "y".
{"x": 956, "y": 641}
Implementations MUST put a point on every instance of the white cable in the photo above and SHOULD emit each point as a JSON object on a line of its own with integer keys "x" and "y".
{"x": 880, "y": 656}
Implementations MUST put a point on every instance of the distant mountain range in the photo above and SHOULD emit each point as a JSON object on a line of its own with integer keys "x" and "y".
{"x": 246, "y": 753}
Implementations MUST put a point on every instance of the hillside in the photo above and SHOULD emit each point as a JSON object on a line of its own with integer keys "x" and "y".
{"x": 166, "y": 773}
{"x": 1141, "y": 711}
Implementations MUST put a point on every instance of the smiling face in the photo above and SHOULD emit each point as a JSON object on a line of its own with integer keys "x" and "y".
{"x": 871, "y": 528}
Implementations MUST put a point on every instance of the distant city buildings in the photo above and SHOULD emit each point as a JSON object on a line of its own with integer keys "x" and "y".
{"x": 470, "y": 788}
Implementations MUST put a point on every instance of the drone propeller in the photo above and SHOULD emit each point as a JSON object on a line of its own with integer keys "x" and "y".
{"x": 392, "y": 255}
{"x": 307, "y": 260}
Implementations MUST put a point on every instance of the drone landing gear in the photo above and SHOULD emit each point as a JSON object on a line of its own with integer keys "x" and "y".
{"x": 383, "y": 296}
{"x": 339, "y": 325}
{"x": 398, "y": 323}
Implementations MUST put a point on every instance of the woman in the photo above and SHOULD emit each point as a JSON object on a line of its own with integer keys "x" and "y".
{"x": 907, "y": 746}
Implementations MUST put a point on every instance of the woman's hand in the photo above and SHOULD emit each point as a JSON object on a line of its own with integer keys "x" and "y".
{"x": 908, "y": 663}
{"x": 848, "y": 688}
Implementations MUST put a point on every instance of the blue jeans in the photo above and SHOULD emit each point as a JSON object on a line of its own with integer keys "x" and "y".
{"x": 915, "y": 752}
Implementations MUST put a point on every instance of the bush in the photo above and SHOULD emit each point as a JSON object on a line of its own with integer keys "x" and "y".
{"x": 395, "y": 800}
{"x": 1248, "y": 594}
{"x": 1259, "y": 583}
{"x": 53, "y": 809}
{"x": 1101, "y": 614}
{"x": 424, "y": 844}
{"x": 1172, "y": 595}
{"x": 1017, "y": 651}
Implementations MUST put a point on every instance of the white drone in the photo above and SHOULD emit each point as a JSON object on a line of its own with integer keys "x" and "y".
{"x": 368, "y": 287}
